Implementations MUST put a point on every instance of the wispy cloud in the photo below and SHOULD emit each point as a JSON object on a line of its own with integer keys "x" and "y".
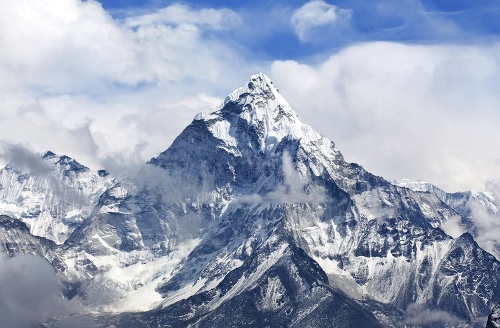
{"x": 177, "y": 14}
{"x": 417, "y": 315}
{"x": 493, "y": 187}
{"x": 22, "y": 157}
{"x": 296, "y": 189}
{"x": 487, "y": 220}
{"x": 31, "y": 294}
{"x": 72, "y": 76}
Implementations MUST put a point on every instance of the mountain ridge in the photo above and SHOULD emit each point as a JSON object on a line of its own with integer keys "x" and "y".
{"x": 478, "y": 213}
{"x": 50, "y": 193}
{"x": 251, "y": 209}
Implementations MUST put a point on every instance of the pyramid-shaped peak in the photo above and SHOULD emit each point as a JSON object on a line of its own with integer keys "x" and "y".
{"x": 261, "y": 81}
{"x": 259, "y": 88}
{"x": 265, "y": 111}
{"x": 48, "y": 154}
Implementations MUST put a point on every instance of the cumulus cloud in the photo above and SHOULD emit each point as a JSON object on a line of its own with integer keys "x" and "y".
{"x": 314, "y": 14}
{"x": 418, "y": 111}
{"x": 46, "y": 44}
{"x": 75, "y": 46}
{"x": 72, "y": 76}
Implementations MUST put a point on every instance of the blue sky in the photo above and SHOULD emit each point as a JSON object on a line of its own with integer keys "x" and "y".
{"x": 387, "y": 20}
{"x": 406, "y": 88}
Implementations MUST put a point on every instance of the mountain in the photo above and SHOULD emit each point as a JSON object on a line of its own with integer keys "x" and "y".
{"x": 252, "y": 218}
{"x": 463, "y": 202}
{"x": 479, "y": 213}
{"x": 494, "y": 318}
{"x": 52, "y": 195}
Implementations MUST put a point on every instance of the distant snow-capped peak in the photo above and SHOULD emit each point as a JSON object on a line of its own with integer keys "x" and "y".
{"x": 50, "y": 193}
{"x": 484, "y": 198}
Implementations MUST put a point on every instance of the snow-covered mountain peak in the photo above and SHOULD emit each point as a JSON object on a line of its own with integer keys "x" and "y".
{"x": 68, "y": 164}
{"x": 64, "y": 162}
{"x": 250, "y": 216}
{"x": 415, "y": 185}
{"x": 50, "y": 193}
{"x": 485, "y": 198}
{"x": 479, "y": 211}
{"x": 258, "y": 86}
{"x": 258, "y": 110}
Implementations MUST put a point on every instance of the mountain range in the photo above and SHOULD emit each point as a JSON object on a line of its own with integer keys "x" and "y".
{"x": 250, "y": 218}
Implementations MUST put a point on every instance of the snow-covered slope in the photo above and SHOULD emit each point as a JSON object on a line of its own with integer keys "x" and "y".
{"x": 494, "y": 318}
{"x": 252, "y": 218}
{"x": 53, "y": 198}
{"x": 15, "y": 239}
{"x": 377, "y": 242}
{"x": 462, "y": 201}
{"x": 479, "y": 213}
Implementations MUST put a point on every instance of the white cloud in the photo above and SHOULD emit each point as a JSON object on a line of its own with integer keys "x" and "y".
{"x": 417, "y": 315}
{"x": 493, "y": 188}
{"x": 30, "y": 292}
{"x": 72, "y": 77}
{"x": 453, "y": 227}
{"x": 74, "y": 46}
{"x": 487, "y": 220}
{"x": 181, "y": 14}
{"x": 417, "y": 111}
{"x": 78, "y": 82}
{"x": 60, "y": 46}
{"x": 314, "y": 14}
{"x": 22, "y": 157}
{"x": 295, "y": 189}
